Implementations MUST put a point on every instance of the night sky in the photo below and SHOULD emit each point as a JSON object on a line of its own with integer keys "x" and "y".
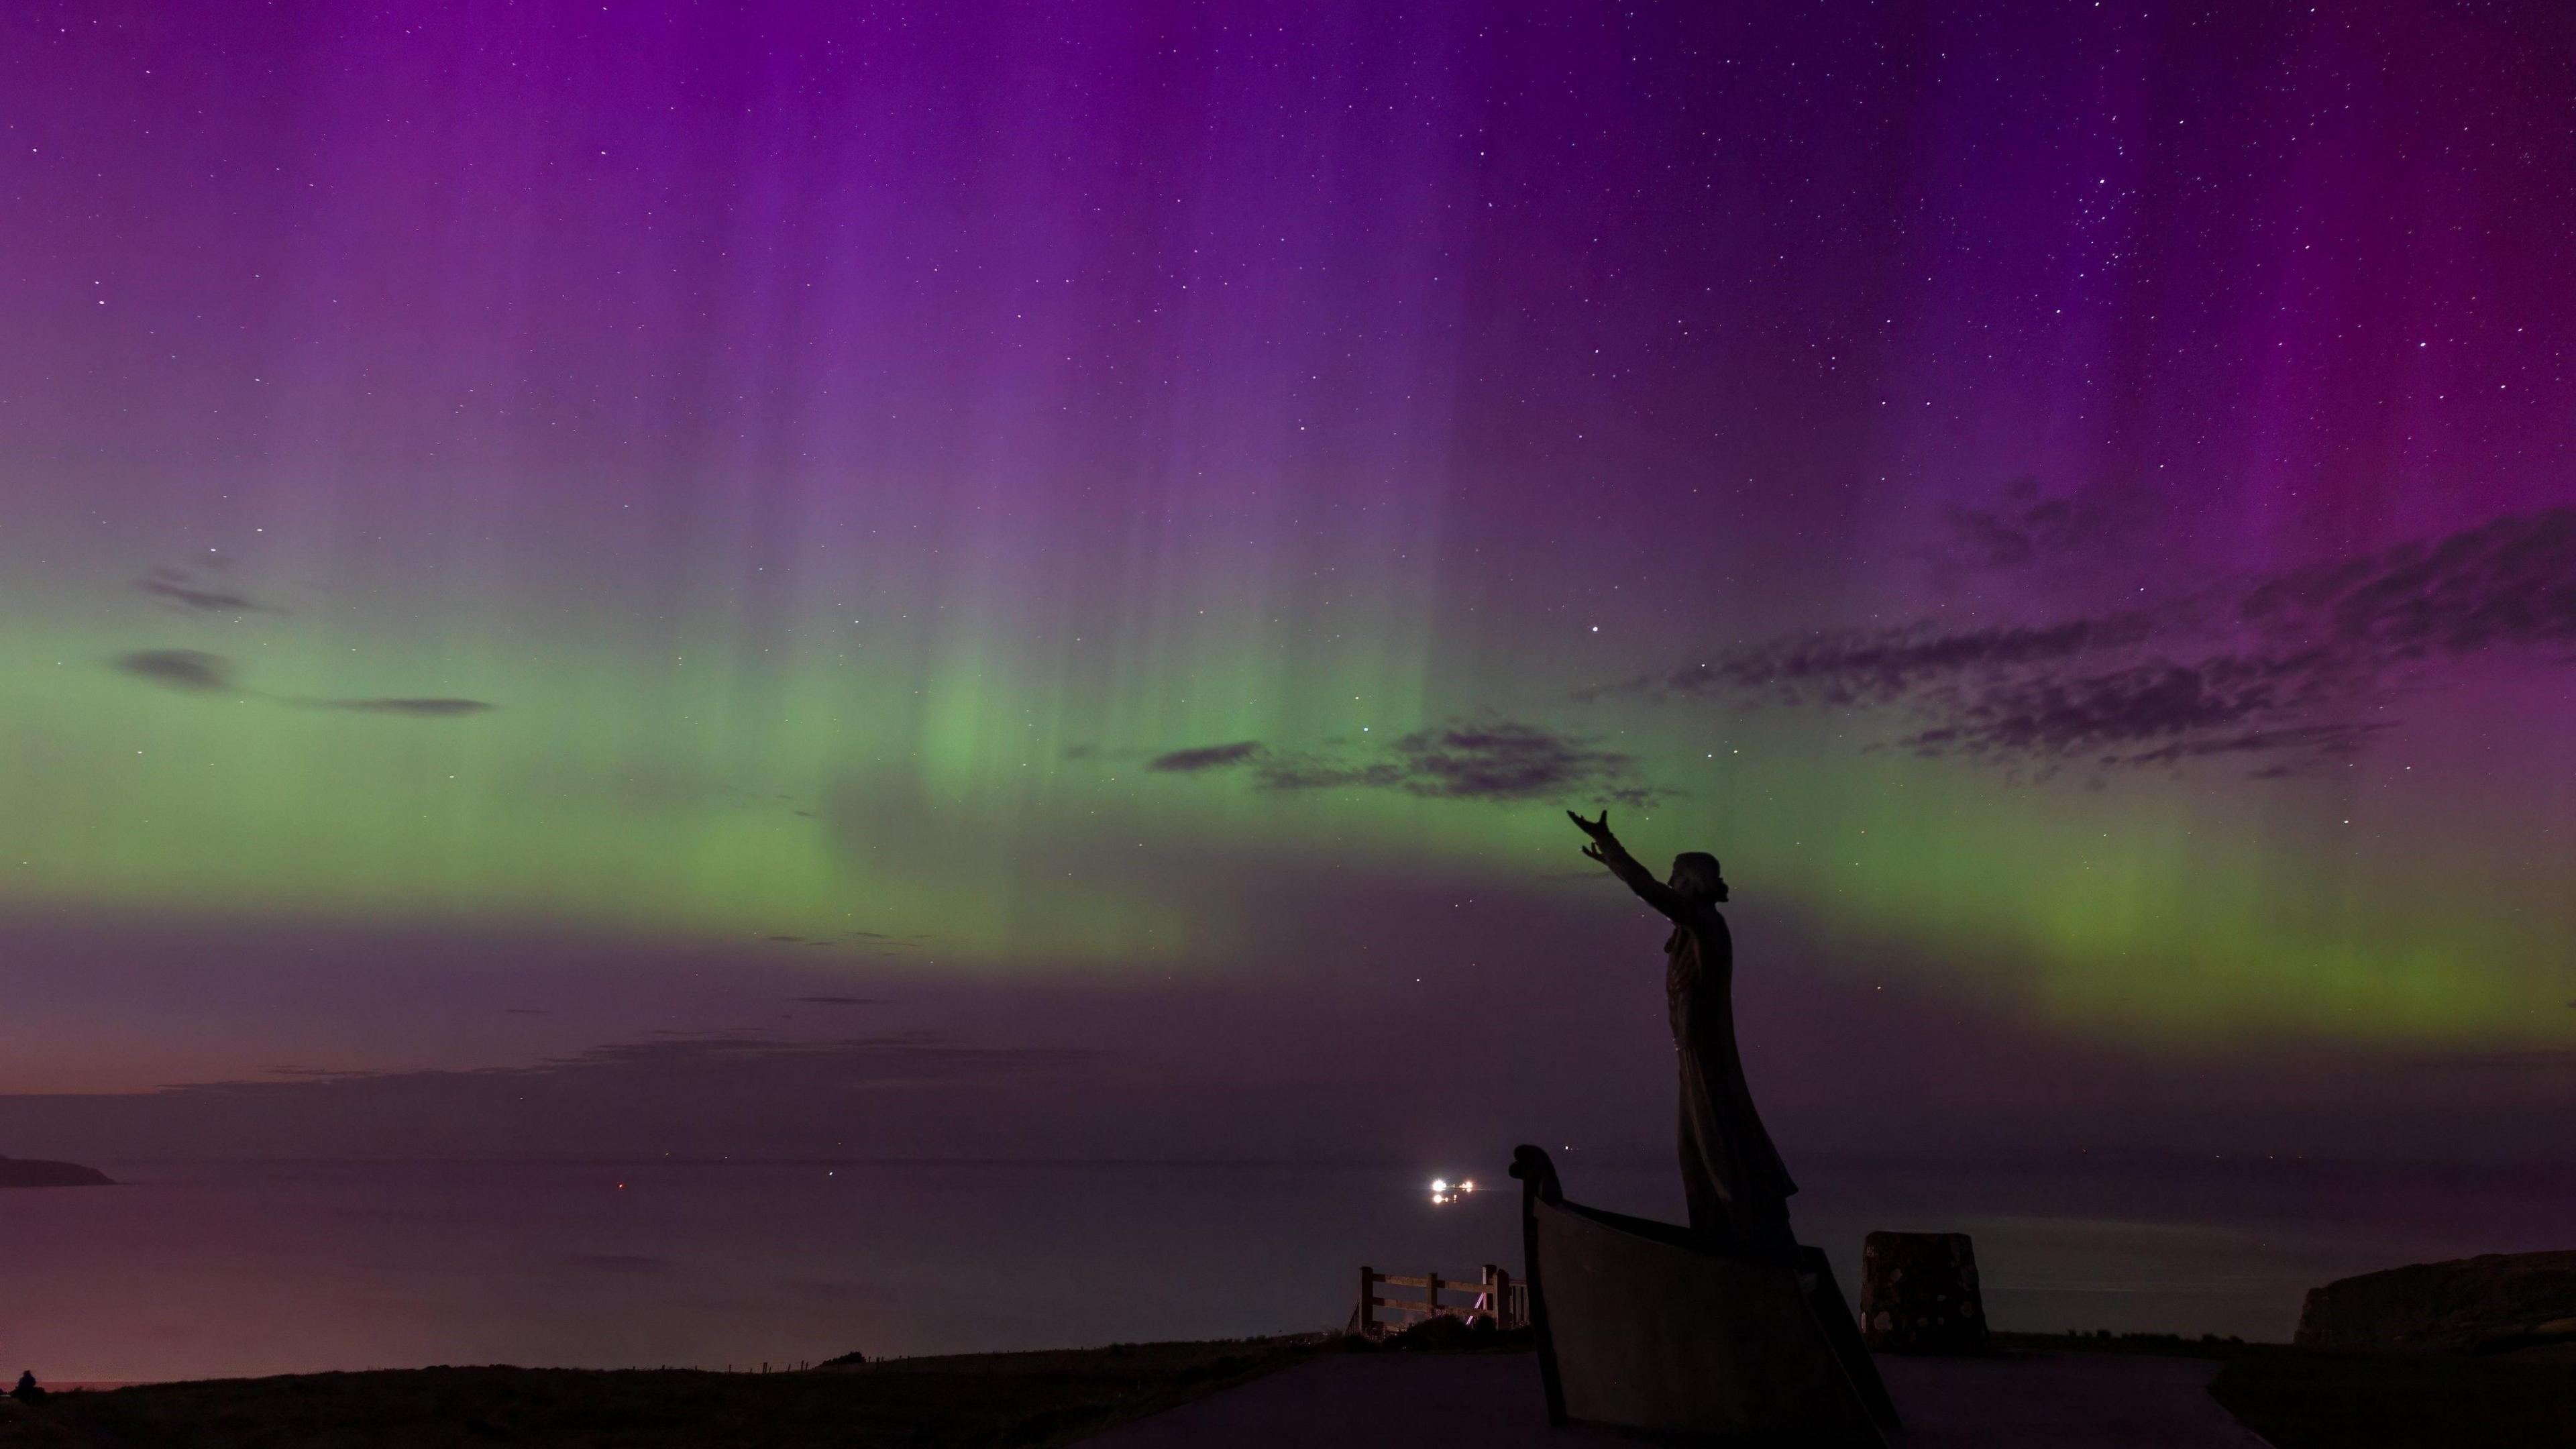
{"x": 1035, "y": 580}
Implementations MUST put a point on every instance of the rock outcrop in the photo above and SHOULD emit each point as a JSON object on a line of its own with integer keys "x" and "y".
{"x": 29, "y": 1172}
{"x": 2494, "y": 1303}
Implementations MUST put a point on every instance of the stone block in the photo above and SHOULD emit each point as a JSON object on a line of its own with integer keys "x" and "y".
{"x": 1918, "y": 1294}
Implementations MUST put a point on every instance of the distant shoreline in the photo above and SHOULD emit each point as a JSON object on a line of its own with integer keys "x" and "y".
{"x": 37, "y": 1172}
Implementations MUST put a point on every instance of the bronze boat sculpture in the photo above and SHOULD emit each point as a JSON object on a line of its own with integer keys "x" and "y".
{"x": 1643, "y": 1327}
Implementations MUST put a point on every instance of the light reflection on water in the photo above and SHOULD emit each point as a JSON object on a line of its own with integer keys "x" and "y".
{"x": 199, "y": 1269}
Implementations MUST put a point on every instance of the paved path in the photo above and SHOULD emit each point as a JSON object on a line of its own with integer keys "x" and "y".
{"x": 1493, "y": 1401}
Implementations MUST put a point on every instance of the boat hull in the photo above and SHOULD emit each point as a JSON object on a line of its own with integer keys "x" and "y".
{"x": 1641, "y": 1328}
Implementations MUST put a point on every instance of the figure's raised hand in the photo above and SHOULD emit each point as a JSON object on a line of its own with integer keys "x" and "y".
{"x": 1603, "y": 842}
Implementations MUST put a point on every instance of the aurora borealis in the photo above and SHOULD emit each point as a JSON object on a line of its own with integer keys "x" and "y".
{"x": 522, "y": 526}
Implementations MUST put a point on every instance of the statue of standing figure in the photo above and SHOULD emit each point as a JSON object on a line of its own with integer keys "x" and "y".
{"x": 1732, "y": 1177}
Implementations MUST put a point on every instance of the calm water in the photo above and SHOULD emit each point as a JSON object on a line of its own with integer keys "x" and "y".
{"x": 199, "y": 1269}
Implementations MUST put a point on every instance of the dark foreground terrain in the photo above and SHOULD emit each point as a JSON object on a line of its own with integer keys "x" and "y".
{"x": 2296, "y": 1398}
{"x": 2308, "y": 1399}
{"x": 2304, "y": 1400}
{"x": 933, "y": 1403}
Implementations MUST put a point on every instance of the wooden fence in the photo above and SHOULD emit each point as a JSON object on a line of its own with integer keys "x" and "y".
{"x": 1496, "y": 1296}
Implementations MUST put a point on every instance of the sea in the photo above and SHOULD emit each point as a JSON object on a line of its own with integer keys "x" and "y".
{"x": 226, "y": 1268}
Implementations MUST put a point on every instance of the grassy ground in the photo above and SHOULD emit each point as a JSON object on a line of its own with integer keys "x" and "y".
{"x": 2303, "y": 1400}
{"x": 2295, "y": 1398}
{"x": 962, "y": 1402}
{"x": 2300, "y": 1399}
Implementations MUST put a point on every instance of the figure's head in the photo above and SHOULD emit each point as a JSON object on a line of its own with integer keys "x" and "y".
{"x": 1695, "y": 875}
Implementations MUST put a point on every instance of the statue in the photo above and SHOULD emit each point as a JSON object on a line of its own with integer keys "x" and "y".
{"x": 1732, "y": 1177}
{"x": 1727, "y": 1326}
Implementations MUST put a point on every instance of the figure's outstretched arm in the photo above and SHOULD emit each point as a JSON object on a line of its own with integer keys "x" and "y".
{"x": 1605, "y": 848}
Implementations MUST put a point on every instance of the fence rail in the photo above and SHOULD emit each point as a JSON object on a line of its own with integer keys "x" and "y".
{"x": 1497, "y": 1296}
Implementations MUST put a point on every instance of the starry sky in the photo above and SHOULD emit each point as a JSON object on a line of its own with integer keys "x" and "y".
{"x": 1041, "y": 575}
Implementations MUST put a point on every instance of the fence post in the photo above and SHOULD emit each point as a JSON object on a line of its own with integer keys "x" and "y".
{"x": 1431, "y": 1293}
{"x": 1503, "y": 1317}
{"x": 1368, "y": 1301}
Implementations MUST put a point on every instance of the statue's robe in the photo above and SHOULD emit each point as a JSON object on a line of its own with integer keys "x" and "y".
{"x": 1732, "y": 1177}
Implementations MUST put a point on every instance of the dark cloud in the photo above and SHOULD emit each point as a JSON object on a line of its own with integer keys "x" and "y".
{"x": 2286, "y": 671}
{"x": 873, "y": 943}
{"x": 1205, "y": 757}
{"x": 416, "y": 708}
{"x": 883, "y": 942}
{"x": 1506, "y": 761}
{"x": 1509, "y": 762}
{"x": 2508, "y": 582}
{"x": 198, "y": 672}
{"x": 2152, "y": 713}
{"x": 1879, "y": 666}
{"x": 189, "y": 669}
{"x": 176, "y": 587}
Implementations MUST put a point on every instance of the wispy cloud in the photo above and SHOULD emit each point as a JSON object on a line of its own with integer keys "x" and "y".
{"x": 1205, "y": 757}
{"x": 195, "y": 671}
{"x": 416, "y": 708}
{"x": 1500, "y": 761}
{"x": 209, "y": 601}
{"x": 2285, "y": 670}
{"x": 184, "y": 590}
{"x": 2155, "y": 713}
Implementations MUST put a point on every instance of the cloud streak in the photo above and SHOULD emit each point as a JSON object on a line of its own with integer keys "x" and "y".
{"x": 1206, "y": 757}
{"x": 1500, "y": 761}
{"x": 182, "y": 589}
{"x": 2286, "y": 671}
{"x": 194, "y": 671}
{"x": 416, "y": 708}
